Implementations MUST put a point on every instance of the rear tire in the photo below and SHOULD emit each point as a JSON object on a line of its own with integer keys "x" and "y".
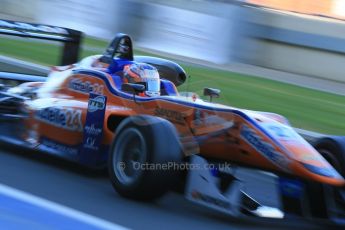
{"x": 141, "y": 142}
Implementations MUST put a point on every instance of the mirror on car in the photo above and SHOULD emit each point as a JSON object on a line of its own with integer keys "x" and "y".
{"x": 133, "y": 88}
{"x": 211, "y": 92}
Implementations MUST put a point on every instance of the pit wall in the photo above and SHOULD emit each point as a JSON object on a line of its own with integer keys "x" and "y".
{"x": 290, "y": 42}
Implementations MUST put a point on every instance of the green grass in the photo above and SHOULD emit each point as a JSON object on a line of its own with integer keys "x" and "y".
{"x": 94, "y": 42}
{"x": 305, "y": 108}
{"x": 42, "y": 53}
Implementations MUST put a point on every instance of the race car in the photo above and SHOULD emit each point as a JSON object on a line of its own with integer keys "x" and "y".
{"x": 84, "y": 112}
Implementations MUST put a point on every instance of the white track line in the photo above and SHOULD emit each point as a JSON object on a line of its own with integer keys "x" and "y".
{"x": 59, "y": 209}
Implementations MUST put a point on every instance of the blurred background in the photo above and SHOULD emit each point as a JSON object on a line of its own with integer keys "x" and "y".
{"x": 281, "y": 56}
{"x": 295, "y": 47}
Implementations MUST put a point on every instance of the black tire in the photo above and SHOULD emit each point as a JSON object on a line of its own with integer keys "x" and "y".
{"x": 141, "y": 140}
{"x": 333, "y": 150}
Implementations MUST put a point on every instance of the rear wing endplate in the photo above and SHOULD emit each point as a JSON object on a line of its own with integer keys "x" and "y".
{"x": 70, "y": 38}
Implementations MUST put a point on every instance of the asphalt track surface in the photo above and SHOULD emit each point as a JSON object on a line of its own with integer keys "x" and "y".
{"x": 91, "y": 192}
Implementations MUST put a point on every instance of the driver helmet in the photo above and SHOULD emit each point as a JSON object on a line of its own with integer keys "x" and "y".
{"x": 145, "y": 74}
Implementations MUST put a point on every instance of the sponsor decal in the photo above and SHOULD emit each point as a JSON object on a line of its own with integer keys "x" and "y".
{"x": 210, "y": 200}
{"x": 265, "y": 148}
{"x": 65, "y": 118}
{"x": 93, "y": 130}
{"x": 90, "y": 143}
{"x": 85, "y": 87}
{"x": 206, "y": 119}
{"x": 97, "y": 103}
{"x": 280, "y": 131}
{"x": 59, "y": 147}
{"x": 171, "y": 115}
{"x": 197, "y": 117}
{"x": 203, "y": 118}
{"x": 36, "y": 28}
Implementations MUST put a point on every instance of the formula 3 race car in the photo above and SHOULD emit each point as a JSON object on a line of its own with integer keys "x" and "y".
{"x": 82, "y": 113}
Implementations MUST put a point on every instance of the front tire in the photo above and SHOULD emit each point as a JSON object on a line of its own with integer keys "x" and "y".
{"x": 143, "y": 149}
{"x": 333, "y": 150}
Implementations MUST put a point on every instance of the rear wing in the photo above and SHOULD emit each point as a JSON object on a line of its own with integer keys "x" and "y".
{"x": 70, "y": 38}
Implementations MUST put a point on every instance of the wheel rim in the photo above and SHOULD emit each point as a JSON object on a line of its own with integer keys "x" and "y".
{"x": 129, "y": 156}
